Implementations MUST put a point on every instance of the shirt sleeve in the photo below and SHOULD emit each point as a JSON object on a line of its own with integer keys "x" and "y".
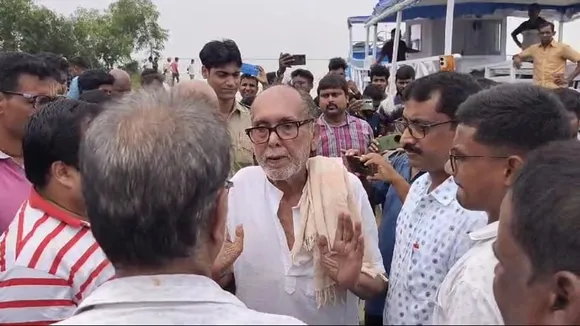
{"x": 468, "y": 305}
{"x": 34, "y": 297}
{"x": 369, "y": 223}
{"x": 570, "y": 54}
{"x": 527, "y": 52}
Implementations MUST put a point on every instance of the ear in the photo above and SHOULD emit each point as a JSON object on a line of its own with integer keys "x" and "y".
{"x": 565, "y": 298}
{"x": 204, "y": 72}
{"x": 514, "y": 164}
{"x": 62, "y": 174}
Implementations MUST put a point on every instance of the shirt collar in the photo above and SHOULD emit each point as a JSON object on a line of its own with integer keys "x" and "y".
{"x": 4, "y": 156}
{"x": 444, "y": 193}
{"x": 37, "y": 202}
{"x": 158, "y": 288}
{"x": 554, "y": 43}
{"x": 349, "y": 119}
{"x": 485, "y": 233}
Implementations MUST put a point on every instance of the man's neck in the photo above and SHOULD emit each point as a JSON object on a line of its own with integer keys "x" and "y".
{"x": 337, "y": 120}
{"x": 10, "y": 146}
{"x": 437, "y": 178}
{"x": 177, "y": 266}
{"x": 294, "y": 185}
{"x": 226, "y": 106}
{"x": 63, "y": 203}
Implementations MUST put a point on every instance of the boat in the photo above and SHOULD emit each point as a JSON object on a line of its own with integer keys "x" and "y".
{"x": 471, "y": 33}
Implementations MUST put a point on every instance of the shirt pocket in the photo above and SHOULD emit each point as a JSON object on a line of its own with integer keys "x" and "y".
{"x": 243, "y": 151}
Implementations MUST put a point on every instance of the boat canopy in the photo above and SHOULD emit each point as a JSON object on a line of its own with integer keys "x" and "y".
{"x": 561, "y": 10}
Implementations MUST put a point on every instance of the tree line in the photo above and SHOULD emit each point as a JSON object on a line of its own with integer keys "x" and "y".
{"x": 105, "y": 38}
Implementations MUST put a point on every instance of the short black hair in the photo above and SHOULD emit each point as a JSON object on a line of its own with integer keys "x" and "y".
{"x": 149, "y": 76}
{"x": 93, "y": 79}
{"x": 271, "y": 76}
{"x": 570, "y": 98}
{"x": 15, "y": 64}
{"x": 246, "y": 76}
{"x": 337, "y": 63}
{"x": 96, "y": 96}
{"x": 453, "y": 88}
{"x": 54, "y": 134}
{"x": 304, "y": 74}
{"x": 486, "y": 83}
{"x": 332, "y": 81}
{"x": 518, "y": 116}
{"x": 405, "y": 72}
{"x": 379, "y": 70}
{"x": 216, "y": 54}
{"x": 546, "y": 24}
{"x": 57, "y": 63}
{"x": 546, "y": 209}
{"x": 373, "y": 92}
{"x": 80, "y": 62}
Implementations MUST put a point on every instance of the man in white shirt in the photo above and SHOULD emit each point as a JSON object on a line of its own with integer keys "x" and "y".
{"x": 496, "y": 130}
{"x": 432, "y": 227}
{"x": 161, "y": 224}
{"x": 191, "y": 69}
{"x": 267, "y": 200}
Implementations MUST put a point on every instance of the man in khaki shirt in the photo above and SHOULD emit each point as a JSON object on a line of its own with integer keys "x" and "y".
{"x": 550, "y": 58}
{"x": 221, "y": 62}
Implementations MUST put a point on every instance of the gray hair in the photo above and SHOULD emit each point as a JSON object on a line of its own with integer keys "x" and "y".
{"x": 152, "y": 165}
{"x": 310, "y": 108}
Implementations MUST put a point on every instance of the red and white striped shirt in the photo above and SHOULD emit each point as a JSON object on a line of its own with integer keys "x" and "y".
{"x": 354, "y": 133}
{"x": 49, "y": 261}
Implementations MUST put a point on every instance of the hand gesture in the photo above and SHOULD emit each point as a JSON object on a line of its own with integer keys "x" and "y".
{"x": 231, "y": 250}
{"x": 352, "y": 86}
{"x": 343, "y": 262}
{"x": 374, "y": 147}
{"x": 385, "y": 170}
{"x": 262, "y": 78}
{"x": 517, "y": 62}
{"x": 285, "y": 61}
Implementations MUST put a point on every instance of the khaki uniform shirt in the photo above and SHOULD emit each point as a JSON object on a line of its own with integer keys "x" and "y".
{"x": 549, "y": 61}
{"x": 242, "y": 150}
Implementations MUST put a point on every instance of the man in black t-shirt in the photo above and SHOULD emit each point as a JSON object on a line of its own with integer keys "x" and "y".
{"x": 387, "y": 50}
{"x": 529, "y": 28}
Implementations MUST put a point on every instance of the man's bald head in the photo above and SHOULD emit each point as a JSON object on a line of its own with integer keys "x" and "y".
{"x": 122, "y": 83}
{"x": 198, "y": 90}
{"x": 289, "y": 94}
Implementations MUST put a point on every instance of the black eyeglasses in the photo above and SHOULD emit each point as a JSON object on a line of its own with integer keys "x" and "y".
{"x": 285, "y": 131}
{"x": 228, "y": 185}
{"x": 417, "y": 130}
{"x": 454, "y": 159}
{"x": 37, "y": 101}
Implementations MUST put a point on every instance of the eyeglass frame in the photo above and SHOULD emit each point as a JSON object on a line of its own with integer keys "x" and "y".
{"x": 454, "y": 157}
{"x": 32, "y": 99}
{"x": 298, "y": 124}
{"x": 424, "y": 127}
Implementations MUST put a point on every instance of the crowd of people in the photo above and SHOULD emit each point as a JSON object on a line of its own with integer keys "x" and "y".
{"x": 181, "y": 205}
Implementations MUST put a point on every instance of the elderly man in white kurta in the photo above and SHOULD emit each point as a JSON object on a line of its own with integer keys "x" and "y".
{"x": 309, "y": 251}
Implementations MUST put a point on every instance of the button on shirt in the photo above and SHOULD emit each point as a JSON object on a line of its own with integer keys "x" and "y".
{"x": 432, "y": 234}
{"x": 14, "y": 189}
{"x": 267, "y": 279}
{"x": 466, "y": 295}
{"x": 167, "y": 300}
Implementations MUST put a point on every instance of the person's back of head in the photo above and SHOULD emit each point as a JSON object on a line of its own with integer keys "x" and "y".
{"x": 486, "y": 83}
{"x": 571, "y": 100}
{"x": 147, "y": 212}
{"x": 151, "y": 78}
{"x": 96, "y": 79}
{"x": 53, "y": 136}
{"x": 96, "y": 96}
{"x": 57, "y": 63}
{"x": 537, "y": 279}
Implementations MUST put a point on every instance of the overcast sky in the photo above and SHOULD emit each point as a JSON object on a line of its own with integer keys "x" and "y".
{"x": 262, "y": 28}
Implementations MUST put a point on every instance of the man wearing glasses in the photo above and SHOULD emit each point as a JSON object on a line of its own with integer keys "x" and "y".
{"x": 432, "y": 227}
{"x": 26, "y": 83}
{"x": 496, "y": 130}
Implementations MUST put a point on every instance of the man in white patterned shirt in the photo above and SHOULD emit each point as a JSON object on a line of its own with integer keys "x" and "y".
{"x": 432, "y": 227}
{"x": 496, "y": 130}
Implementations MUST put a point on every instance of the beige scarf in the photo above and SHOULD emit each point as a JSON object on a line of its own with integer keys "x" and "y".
{"x": 327, "y": 194}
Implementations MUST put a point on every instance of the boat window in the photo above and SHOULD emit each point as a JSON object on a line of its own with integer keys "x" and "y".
{"x": 415, "y": 36}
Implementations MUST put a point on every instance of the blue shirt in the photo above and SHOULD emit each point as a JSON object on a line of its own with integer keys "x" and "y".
{"x": 375, "y": 122}
{"x": 73, "y": 91}
{"x": 386, "y": 195}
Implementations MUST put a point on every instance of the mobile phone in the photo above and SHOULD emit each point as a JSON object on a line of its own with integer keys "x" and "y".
{"x": 389, "y": 142}
{"x": 368, "y": 105}
{"x": 248, "y": 69}
{"x": 299, "y": 59}
{"x": 357, "y": 166}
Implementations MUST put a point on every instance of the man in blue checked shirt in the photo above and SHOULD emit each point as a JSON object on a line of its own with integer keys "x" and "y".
{"x": 389, "y": 189}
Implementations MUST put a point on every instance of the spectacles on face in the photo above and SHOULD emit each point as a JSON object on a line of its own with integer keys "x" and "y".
{"x": 417, "y": 130}
{"x": 37, "y": 101}
{"x": 454, "y": 159}
{"x": 285, "y": 131}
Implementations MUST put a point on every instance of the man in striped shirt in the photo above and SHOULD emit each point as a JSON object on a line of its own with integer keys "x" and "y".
{"x": 49, "y": 260}
{"x": 339, "y": 131}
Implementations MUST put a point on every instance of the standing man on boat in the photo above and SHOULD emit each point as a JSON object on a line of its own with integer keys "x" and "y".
{"x": 550, "y": 58}
{"x": 388, "y": 48}
{"x": 529, "y": 28}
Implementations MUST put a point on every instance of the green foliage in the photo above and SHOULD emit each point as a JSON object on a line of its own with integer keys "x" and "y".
{"x": 105, "y": 38}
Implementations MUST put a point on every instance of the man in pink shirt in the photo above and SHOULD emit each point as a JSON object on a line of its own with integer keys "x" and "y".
{"x": 26, "y": 83}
